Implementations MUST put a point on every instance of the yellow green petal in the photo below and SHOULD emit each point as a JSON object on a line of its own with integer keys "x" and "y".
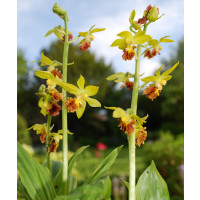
{"x": 81, "y": 82}
{"x": 125, "y": 34}
{"x": 97, "y": 30}
{"x": 69, "y": 87}
{"x": 118, "y": 113}
{"x": 132, "y": 16}
{"x": 171, "y": 69}
{"x": 110, "y": 108}
{"x": 44, "y": 74}
{"x": 81, "y": 110}
{"x": 91, "y": 90}
{"x": 149, "y": 79}
{"x": 93, "y": 102}
{"x": 115, "y": 76}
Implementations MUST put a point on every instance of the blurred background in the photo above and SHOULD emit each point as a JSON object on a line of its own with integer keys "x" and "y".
{"x": 165, "y": 124}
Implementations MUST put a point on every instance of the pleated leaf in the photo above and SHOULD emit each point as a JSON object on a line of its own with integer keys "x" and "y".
{"x": 22, "y": 190}
{"x": 151, "y": 185}
{"x": 35, "y": 178}
{"x": 99, "y": 190}
{"x": 104, "y": 166}
{"x": 57, "y": 182}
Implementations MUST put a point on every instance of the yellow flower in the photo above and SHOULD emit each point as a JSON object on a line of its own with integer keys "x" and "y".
{"x": 128, "y": 121}
{"x": 85, "y": 43}
{"x": 82, "y": 94}
{"x": 160, "y": 80}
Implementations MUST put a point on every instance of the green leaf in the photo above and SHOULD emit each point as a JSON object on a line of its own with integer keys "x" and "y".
{"x": 99, "y": 190}
{"x": 75, "y": 157}
{"x": 104, "y": 166}
{"x": 71, "y": 183}
{"x": 35, "y": 178}
{"x": 151, "y": 185}
{"x": 57, "y": 181}
{"x": 22, "y": 190}
{"x": 93, "y": 102}
{"x": 149, "y": 79}
{"x": 125, "y": 34}
{"x": 171, "y": 69}
{"x": 97, "y": 30}
{"x": 126, "y": 183}
{"x": 132, "y": 16}
{"x": 81, "y": 110}
{"x": 115, "y": 76}
{"x": 91, "y": 90}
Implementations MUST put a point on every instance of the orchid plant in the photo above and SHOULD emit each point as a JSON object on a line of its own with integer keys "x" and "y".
{"x": 39, "y": 182}
{"x": 150, "y": 184}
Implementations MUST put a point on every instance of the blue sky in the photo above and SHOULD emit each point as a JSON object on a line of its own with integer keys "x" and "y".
{"x": 35, "y": 18}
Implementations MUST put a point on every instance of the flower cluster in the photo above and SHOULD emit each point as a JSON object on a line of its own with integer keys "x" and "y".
{"x": 54, "y": 138}
{"x": 159, "y": 80}
{"x": 128, "y": 42}
{"x": 129, "y": 122}
{"x": 85, "y": 43}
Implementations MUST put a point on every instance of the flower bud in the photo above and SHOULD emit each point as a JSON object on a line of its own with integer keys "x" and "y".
{"x": 153, "y": 14}
{"x": 59, "y": 11}
{"x": 42, "y": 88}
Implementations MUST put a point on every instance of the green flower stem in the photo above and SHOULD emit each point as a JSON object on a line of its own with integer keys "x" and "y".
{"x": 47, "y": 142}
{"x": 131, "y": 138}
{"x": 64, "y": 111}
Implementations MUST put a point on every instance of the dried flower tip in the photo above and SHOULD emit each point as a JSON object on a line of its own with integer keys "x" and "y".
{"x": 126, "y": 128}
{"x": 71, "y": 104}
{"x": 129, "y": 53}
{"x": 57, "y": 73}
{"x": 53, "y": 109}
{"x": 53, "y": 147}
{"x": 151, "y": 92}
{"x": 85, "y": 45}
{"x": 43, "y": 137}
{"x": 140, "y": 136}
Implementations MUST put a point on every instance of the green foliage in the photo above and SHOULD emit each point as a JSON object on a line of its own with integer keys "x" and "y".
{"x": 35, "y": 180}
{"x": 151, "y": 185}
{"x": 34, "y": 177}
{"x": 98, "y": 190}
{"x": 22, "y": 134}
{"x": 168, "y": 152}
{"x": 104, "y": 166}
{"x": 22, "y": 67}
